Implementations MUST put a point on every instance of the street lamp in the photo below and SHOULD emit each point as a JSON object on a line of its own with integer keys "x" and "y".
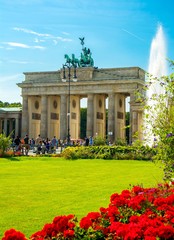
{"x": 69, "y": 66}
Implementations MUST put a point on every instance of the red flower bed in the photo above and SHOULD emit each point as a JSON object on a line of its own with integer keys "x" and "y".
{"x": 140, "y": 213}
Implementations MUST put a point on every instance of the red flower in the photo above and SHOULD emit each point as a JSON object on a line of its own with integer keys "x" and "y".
{"x": 85, "y": 223}
{"x": 151, "y": 232}
{"x": 134, "y": 219}
{"x": 48, "y": 230}
{"x": 68, "y": 233}
{"x": 62, "y": 223}
{"x": 142, "y": 213}
{"x": 137, "y": 189}
{"x": 132, "y": 234}
{"x": 12, "y": 234}
{"x": 119, "y": 200}
{"x": 166, "y": 232}
{"x": 150, "y": 238}
{"x": 91, "y": 220}
{"x": 135, "y": 202}
{"x": 38, "y": 235}
{"x": 113, "y": 213}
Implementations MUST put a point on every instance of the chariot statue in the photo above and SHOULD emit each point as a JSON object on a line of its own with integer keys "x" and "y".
{"x": 85, "y": 58}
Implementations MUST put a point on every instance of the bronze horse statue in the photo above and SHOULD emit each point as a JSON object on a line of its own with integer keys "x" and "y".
{"x": 74, "y": 61}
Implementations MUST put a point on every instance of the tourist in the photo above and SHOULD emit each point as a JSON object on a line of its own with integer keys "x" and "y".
{"x": 86, "y": 141}
{"x": 26, "y": 144}
{"x": 90, "y": 141}
{"x": 38, "y": 139}
{"x": 17, "y": 142}
{"x": 47, "y": 145}
{"x": 54, "y": 143}
{"x": 32, "y": 143}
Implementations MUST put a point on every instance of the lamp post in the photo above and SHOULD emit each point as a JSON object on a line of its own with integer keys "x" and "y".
{"x": 69, "y": 66}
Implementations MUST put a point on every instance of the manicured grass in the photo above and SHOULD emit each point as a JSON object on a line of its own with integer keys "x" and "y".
{"x": 35, "y": 190}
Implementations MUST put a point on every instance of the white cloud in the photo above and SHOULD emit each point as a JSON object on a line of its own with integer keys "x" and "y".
{"x": 21, "y": 45}
{"x": 10, "y": 78}
{"x": 15, "y": 44}
{"x": 44, "y": 35}
{"x": 64, "y": 39}
{"x": 65, "y": 33}
{"x": 32, "y": 32}
{"x": 36, "y": 40}
{"x": 38, "y": 47}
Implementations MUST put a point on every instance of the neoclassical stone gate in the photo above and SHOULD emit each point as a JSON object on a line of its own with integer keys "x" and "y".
{"x": 45, "y": 100}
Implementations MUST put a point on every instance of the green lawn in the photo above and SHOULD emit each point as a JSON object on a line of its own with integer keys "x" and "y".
{"x": 35, "y": 190}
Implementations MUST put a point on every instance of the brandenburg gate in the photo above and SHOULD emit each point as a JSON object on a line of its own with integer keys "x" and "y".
{"x": 46, "y": 98}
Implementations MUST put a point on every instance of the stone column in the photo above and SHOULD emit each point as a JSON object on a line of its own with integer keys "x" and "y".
{"x": 134, "y": 125}
{"x": 44, "y": 117}
{"x": 132, "y": 100}
{"x": 25, "y": 116}
{"x": 1, "y": 130}
{"x": 5, "y": 126}
{"x": 17, "y": 127}
{"x": 90, "y": 115}
{"x": 111, "y": 117}
{"x": 10, "y": 125}
{"x": 140, "y": 125}
{"x": 63, "y": 117}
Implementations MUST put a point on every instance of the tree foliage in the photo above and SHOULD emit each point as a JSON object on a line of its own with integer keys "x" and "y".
{"x": 7, "y": 104}
{"x": 159, "y": 119}
{"x": 5, "y": 143}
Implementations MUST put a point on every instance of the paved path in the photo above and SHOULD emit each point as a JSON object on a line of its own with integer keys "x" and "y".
{"x": 31, "y": 153}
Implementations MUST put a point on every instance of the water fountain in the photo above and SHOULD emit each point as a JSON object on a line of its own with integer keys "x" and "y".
{"x": 157, "y": 68}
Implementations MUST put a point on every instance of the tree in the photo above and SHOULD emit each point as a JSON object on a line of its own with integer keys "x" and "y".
{"x": 5, "y": 143}
{"x": 159, "y": 115}
{"x": 8, "y": 105}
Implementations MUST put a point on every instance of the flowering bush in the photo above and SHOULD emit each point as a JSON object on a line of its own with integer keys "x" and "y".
{"x": 139, "y": 152}
{"x": 139, "y": 213}
{"x": 12, "y": 234}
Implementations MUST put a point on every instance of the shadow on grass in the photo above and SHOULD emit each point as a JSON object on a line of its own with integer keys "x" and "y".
{"x": 13, "y": 159}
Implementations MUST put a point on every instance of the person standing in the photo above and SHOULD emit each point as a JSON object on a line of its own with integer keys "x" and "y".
{"x": 38, "y": 143}
{"x": 90, "y": 141}
{"x": 26, "y": 144}
{"x": 17, "y": 143}
{"x": 86, "y": 141}
{"x": 38, "y": 139}
{"x": 54, "y": 143}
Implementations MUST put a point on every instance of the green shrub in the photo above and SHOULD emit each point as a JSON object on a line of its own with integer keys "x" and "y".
{"x": 5, "y": 143}
{"x": 109, "y": 152}
{"x": 98, "y": 141}
{"x": 120, "y": 142}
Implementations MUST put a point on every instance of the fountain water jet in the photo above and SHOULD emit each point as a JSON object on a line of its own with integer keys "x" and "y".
{"x": 157, "y": 68}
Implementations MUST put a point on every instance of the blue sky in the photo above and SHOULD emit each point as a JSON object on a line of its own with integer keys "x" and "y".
{"x": 35, "y": 35}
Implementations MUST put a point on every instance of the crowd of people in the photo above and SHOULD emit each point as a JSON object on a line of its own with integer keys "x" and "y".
{"x": 42, "y": 146}
{"x": 37, "y": 145}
